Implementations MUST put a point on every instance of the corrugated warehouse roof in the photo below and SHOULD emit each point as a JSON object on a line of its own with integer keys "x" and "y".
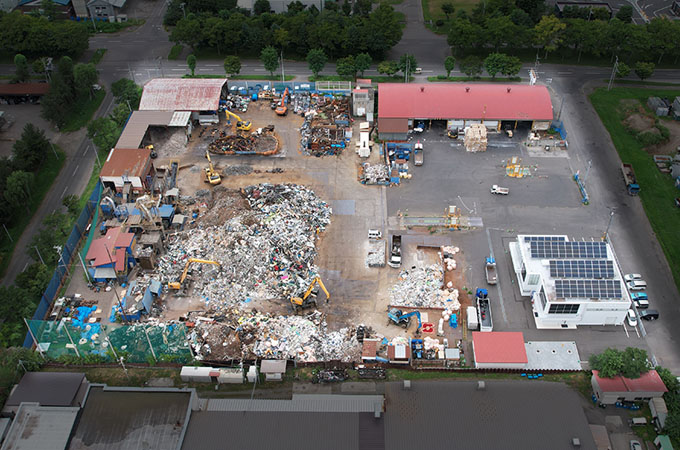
{"x": 275, "y": 430}
{"x": 464, "y": 101}
{"x": 38, "y": 427}
{"x": 132, "y": 162}
{"x": 138, "y": 123}
{"x": 24, "y": 88}
{"x": 47, "y": 388}
{"x": 182, "y": 94}
{"x": 647, "y": 382}
{"x": 503, "y": 347}
{"x": 504, "y": 415}
{"x": 302, "y": 403}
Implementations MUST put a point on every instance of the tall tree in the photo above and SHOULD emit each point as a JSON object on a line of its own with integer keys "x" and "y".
{"x": 625, "y": 14}
{"x": 261, "y": 7}
{"x": 630, "y": 363}
{"x": 363, "y": 62}
{"x": 29, "y": 152}
{"x": 346, "y": 67}
{"x": 232, "y": 65}
{"x": 622, "y": 70}
{"x": 644, "y": 69}
{"x": 407, "y": 64}
{"x": 494, "y": 63}
{"x": 22, "y": 74}
{"x": 511, "y": 66}
{"x": 316, "y": 59}
{"x": 362, "y": 7}
{"x": 104, "y": 133}
{"x": 662, "y": 31}
{"x": 85, "y": 76}
{"x": 270, "y": 59}
{"x": 449, "y": 65}
{"x": 388, "y": 68}
{"x": 471, "y": 66}
{"x": 191, "y": 63}
{"x": 448, "y": 9}
{"x": 18, "y": 189}
{"x": 548, "y": 33}
{"x": 500, "y": 31}
{"x": 463, "y": 34}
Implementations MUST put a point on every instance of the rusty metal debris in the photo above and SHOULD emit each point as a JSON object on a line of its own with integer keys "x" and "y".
{"x": 264, "y": 144}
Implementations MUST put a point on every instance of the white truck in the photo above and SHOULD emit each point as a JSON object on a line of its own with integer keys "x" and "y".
{"x": 490, "y": 270}
{"x": 472, "y": 319}
{"x": 496, "y": 189}
{"x": 395, "y": 254}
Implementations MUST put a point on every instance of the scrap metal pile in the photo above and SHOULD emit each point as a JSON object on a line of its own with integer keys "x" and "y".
{"x": 250, "y": 335}
{"x": 422, "y": 288}
{"x": 264, "y": 144}
{"x": 235, "y": 103}
{"x": 323, "y": 132}
{"x": 374, "y": 174}
{"x": 264, "y": 240}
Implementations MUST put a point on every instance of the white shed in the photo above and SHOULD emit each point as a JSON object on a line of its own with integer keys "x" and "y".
{"x": 199, "y": 374}
{"x": 273, "y": 369}
{"x": 659, "y": 411}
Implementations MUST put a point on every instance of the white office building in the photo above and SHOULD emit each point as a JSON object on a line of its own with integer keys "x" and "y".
{"x": 570, "y": 283}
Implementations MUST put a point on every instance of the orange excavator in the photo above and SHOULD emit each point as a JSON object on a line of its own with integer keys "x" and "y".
{"x": 282, "y": 110}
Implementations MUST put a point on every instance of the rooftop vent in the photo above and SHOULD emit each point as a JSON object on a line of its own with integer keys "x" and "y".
{"x": 467, "y": 89}
{"x": 508, "y": 89}
{"x": 422, "y": 88}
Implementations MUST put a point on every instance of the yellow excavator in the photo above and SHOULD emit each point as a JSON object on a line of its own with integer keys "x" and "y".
{"x": 241, "y": 125}
{"x": 308, "y": 300}
{"x": 211, "y": 175}
{"x": 177, "y": 285}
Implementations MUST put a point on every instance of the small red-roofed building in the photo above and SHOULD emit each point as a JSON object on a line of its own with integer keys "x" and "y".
{"x": 611, "y": 390}
{"x": 499, "y": 350}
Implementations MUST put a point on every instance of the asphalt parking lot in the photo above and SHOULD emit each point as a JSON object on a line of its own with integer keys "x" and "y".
{"x": 546, "y": 202}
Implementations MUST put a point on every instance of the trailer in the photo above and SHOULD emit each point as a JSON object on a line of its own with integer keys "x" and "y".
{"x": 629, "y": 179}
{"x": 484, "y": 310}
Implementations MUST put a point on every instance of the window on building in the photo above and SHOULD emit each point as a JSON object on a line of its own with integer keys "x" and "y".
{"x": 563, "y": 308}
{"x": 533, "y": 279}
{"x": 541, "y": 295}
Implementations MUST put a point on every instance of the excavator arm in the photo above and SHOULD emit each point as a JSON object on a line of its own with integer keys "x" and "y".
{"x": 299, "y": 301}
{"x": 178, "y": 284}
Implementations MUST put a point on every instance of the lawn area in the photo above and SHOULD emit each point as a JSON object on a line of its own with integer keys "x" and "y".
{"x": 83, "y": 111}
{"x": 657, "y": 190}
{"x": 43, "y": 181}
{"x": 644, "y": 83}
{"x": 97, "y": 56}
{"x": 432, "y": 11}
{"x": 175, "y": 51}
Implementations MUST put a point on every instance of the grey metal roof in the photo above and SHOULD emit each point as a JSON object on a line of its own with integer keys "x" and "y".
{"x": 273, "y": 366}
{"x": 47, "y": 388}
{"x": 552, "y": 355}
{"x": 293, "y": 430}
{"x": 117, "y": 419}
{"x": 138, "y": 123}
{"x": 38, "y": 427}
{"x": 328, "y": 403}
{"x": 506, "y": 415}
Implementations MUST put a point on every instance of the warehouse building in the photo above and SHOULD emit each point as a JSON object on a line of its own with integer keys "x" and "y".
{"x": 135, "y": 133}
{"x": 128, "y": 171}
{"x": 200, "y": 96}
{"x": 456, "y": 106}
{"x": 570, "y": 283}
{"x": 611, "y": 390}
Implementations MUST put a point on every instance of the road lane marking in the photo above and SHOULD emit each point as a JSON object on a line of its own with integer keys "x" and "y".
{"x": 76, "y": 169}
{"x": 65, "y": 189}
{"x": 177, "y": 70}
{"x": 564, "y": 73}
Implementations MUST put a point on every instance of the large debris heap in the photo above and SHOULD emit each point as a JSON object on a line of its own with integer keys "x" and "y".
{"x": 250, "y": 335}
{"x": 422, "y": 288}
{"x": 266, "y": 251}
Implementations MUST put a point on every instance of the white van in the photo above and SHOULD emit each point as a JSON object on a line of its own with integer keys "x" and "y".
{"x": 637, "y": 285}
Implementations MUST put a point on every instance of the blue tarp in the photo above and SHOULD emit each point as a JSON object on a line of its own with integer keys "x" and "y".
{"x": 156, "y": 287}
{"x": 147, "y": 301}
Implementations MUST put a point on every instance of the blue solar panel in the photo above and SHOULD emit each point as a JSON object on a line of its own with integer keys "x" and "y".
{"x": 582, "y": 268}
{"x": 587, "y": 289}
{"x": 568, "y": 250}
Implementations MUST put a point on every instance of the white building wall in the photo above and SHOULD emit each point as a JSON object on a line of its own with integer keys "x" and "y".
{"x": 118, "y": 182}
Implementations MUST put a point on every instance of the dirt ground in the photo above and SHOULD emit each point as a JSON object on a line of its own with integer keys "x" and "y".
{"x": 640, "y": 120}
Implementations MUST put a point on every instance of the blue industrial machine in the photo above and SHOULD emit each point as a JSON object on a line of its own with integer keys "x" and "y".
{"x": 397, "y": 317}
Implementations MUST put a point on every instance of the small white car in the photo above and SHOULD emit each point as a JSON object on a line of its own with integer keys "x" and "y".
{"x": 635, "y": 445}
{"x": 632, "y": 276}
{"x": 632, "y": 318}
{"x": 636, "y": 285}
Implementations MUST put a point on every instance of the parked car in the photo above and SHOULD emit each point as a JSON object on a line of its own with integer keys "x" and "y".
{"x": 632, "y": 318}
{"x": 641, "y": 304}
{"x": 635, "y": 445}
{"x": 632, "y": 276}
{"x": 639, "y": 296}
{"x": 418, "y": 156}
{"x": 649, "y": 314}
{"x": 637, "y": 285}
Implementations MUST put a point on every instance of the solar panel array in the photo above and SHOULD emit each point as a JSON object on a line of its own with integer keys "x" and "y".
{"x": 582, "y": 268}
{"x": 587, "y": 289}
{"x": 544, "y": 238}
{"x": 568, "y": 250}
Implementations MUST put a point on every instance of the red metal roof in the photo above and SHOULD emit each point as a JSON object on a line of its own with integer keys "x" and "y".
{"x": 464, "y": 101}
{"x": 24, "y": 88}
{"x": 647, "y": 382}
{"x": 182, "y": 94}
{"x": 102, "y": 250}
{"x": 499, "y": 347}
{"x": 133, "y": 162}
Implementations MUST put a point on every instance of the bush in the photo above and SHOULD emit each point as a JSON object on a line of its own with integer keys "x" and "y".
{"x": 441, "y": 77}
{"x": 439, "y": 22}
{"x": 649, "y": 138}
{"x": 665, "y": 133}
{"x": 175, "y": 51}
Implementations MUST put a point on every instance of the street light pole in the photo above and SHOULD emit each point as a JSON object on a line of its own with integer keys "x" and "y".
{"x": 606, "y": 232}
{"x": 611, "y": 78}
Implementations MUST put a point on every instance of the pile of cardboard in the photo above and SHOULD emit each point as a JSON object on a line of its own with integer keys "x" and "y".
{"x": 475, "y": 138}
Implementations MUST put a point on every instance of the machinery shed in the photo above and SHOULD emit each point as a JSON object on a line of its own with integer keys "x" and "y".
{"x": 183, "y": 94}
{"x": 458, "y": 105}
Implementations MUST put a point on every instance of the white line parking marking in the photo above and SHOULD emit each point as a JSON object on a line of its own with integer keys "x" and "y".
{"x": 625, "y": 328}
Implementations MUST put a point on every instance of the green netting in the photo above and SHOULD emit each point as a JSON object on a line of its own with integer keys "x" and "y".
{"x": 137, "y": 343}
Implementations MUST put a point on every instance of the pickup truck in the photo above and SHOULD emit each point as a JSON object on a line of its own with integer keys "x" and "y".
{"x": 496, "y": 189}
{"x": 418, "y": 154}
{"x": 395, "y": 253}
{"x": 630, "y": 180}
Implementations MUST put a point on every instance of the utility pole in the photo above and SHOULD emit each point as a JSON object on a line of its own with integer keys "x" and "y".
{"x": 283, "y": 72}
{"x": 606, "y": 232}
{"x": 96, "y": 154}
{"x": 614, "y": 69}
{"x": 182, "y": 5}
{"x": 39, "y": 255}
{"x": 590, "y": 164}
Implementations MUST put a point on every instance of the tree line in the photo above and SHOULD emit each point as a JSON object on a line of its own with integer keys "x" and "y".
{"x": 522, "y": 24}
{"x": 36, "y": 36}
{"x": 339, "y": 30}
{"x": 70, "y": 85}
